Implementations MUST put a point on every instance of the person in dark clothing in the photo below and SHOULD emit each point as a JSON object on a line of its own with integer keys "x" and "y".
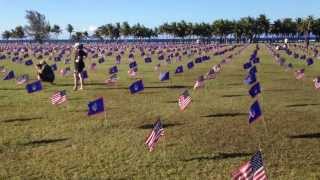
{"x": 45, "y": 72}
{"x": 79, "y": 65}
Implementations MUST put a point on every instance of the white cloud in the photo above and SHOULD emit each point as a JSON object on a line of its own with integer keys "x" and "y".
{"x": 92, "y": 28}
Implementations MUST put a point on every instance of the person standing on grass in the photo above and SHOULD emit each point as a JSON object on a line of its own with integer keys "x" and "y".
{"x": 79, "y": 65}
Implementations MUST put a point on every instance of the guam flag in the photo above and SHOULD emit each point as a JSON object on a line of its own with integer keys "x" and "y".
{"x": 179, "y": 69}
{"x": 95, "y": 107}
{"x": 136, "y": 87}
{"x": 190, "y": 65}
{"x": 34, "y": 87}
{"x": 254, "y": 112}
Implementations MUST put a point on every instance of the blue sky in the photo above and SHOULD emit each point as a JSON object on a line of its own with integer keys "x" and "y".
{"x": 84, "y": 14}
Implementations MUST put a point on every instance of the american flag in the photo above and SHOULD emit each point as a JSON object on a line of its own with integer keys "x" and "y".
{"x": 58, "y": 97}
{"x": 22, "y": 79}
{"x": 184, "y": 100}
{"x": 211, "y": 74}
{"x": 155, "y": 135}
{"x": 317, "y": 83}
{"x": 199, "y": 83}
{"x": 132, "y": 73}
{"x": 112, "y": 79}
{"x": 299, "y": 74}
{"x": 252, "y": 170}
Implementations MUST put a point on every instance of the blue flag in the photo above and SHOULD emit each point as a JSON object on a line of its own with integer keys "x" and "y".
{"x": 84, "y": 74}
{"x": 95, "y": 107}
{"x": 247, "y": 65}
{"x": 250, "y": 79}
{"x": 34, "y": 87}
{"x": 54, "y": 67}
{"x": 133, "y": 65}
{"x": 255, "y": 90}
{"x": 113, "y": 70}
{"x": 255, "y": 112}
{"x": 309, "y": 61}
{"x": 190, "y": 65}
{"x": 136, "y": 87}
{"x": 164, "y": 76}
{"x": 28, "y": 62}
{"x": 198, "y": 60}
{"x": 179, "y": 69}
{"x": 147, "y": 60}
{"x": 9, "y": 75}
{"x": 256, "y": 60}
{"x": 253, "y": 70}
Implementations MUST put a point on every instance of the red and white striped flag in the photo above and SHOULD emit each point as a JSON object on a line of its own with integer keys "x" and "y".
{"x": 155, "y": 135}
{"x": 252, "y": 170}
{"x": 317, "y": 83}
{"x": 199, "y": 83}
{"x": 299, "y": 74}
{"x": 132, "y": 73}
{"x": 58, "y": 97}
{"x": 184, "y": 100}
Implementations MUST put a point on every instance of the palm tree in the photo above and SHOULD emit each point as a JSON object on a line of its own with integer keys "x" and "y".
{"x": 125, "y": 29}
{"x": 69, "y": 29}
{"x": 6, "y": 35}
{"x": 56, "y": 30}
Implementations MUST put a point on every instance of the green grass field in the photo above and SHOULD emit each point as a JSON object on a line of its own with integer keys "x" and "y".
{"x": 209, "y": 140}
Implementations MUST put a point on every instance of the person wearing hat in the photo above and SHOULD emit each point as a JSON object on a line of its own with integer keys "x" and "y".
{"x": 44, "y": 72}
{"x": 79, "y": 65}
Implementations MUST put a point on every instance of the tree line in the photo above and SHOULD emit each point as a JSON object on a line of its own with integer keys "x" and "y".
{"x": 245, "y": 29}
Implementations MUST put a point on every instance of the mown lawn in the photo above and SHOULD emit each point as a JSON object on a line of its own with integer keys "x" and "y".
{"x": 209, "y": 140}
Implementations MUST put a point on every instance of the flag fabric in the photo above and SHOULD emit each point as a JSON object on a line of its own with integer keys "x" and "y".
{"x": 113, "y": 70}
{"x": 253, "y": 70}
{"x": 132, "y": 72}
{"x": 54, "y": 67}
{"x": 136, "y": 87}
{"x": 133, "y": 64}
{"x": 211, "y": 74}
{"x": 254, "y": 112}
{"x": 252, "y": 170}
{"x": 309, "y": 61}
{"x": 148, "y": 60}
{"x": 84, "y": 74}
{"x": 10, "y": 75}
{"x": 190, "y": 65}
{"x": 255, "y": 90}
{"x": 58, "y": 97}
{"x": 112, "y": 79}
{"x": 256, "y": 60}
{"x": 247, "y": 65}
{"x": 28, "y": 62}
{"x": 22, "y": 79}
{"x": 95, "y": 107}
{"x": 34, "y": 87}
{"x": 299, "y": 74}
{"x": 155, "y": 135}
{"x": 317, "y": 83}
{"x": 250, "y": 79}
{"x": 179, "y": 69}
{"x": 164, "y": 76}
{"x": 184, "y": 100}
{"x": 199, "y": 83}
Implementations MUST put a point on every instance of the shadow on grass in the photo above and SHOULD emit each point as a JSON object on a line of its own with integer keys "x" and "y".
{"x": 150, "y": 126}
{"x": 220, "y": 156}
{"x": 225, "y": 115}
{"x": 280, "y": 90}
{"x": 233, "y": 95}
{"x": 171, "y": 102}
{"x": 12, "y": 89}
{"x": 45, "y": 141}
{"x": 306, "y": 136}
{"x": 20, "y": 119}
{"x": 301, "y": 105}
{"x": 235, "y": 84}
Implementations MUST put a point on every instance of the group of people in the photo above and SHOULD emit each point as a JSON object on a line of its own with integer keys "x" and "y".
{"x": 46, "y": 74}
